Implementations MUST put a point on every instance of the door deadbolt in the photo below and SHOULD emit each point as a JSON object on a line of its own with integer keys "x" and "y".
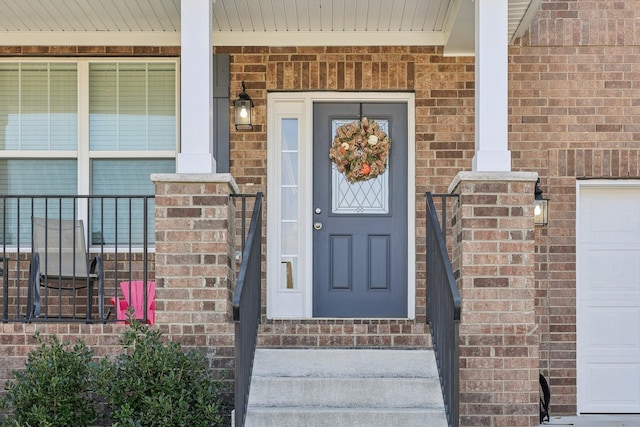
{"x": 318, "y": 211}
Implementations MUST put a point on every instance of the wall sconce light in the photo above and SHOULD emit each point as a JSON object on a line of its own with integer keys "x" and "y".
{"x": 541, "y": 207}
{"x": 243, "y": 110}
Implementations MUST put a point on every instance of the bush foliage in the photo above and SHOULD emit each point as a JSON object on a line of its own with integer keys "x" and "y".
{"x": 55, "y": 387}
{"x": 151, "y": 383}
{"x": 157, "y": 384}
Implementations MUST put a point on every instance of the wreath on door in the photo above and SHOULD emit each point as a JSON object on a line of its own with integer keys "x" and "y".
{"x": 360, "y": 150}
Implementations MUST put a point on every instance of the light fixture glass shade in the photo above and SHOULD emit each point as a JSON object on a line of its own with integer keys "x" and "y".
{"x": 541, "y": 206}
{"x": 541, "y": 211}
{"x": 243, "y": 114}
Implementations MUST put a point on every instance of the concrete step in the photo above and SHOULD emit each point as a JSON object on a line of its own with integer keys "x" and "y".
{"x": 352, "y": 417}
{"x": 345, "y": 362}
{"x": 345, "y": 392}
{"x": 333, "y": 387}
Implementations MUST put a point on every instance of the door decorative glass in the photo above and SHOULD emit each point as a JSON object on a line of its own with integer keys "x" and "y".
{"x": 289, "y": 208}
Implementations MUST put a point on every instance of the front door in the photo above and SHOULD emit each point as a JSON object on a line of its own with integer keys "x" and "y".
{"x": 360, "y": 229}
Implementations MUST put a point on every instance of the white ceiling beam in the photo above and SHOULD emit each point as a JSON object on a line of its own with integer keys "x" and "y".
{"x": 90, "y": 38}
{"x": 222, "y": 38}
{"x": 328, "y": 38}
{"x": 460, "y": 30}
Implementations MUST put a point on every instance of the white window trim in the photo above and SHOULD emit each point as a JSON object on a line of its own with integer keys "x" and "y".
{"x": 298, "y": 303}
{"x": 83, "y": 155}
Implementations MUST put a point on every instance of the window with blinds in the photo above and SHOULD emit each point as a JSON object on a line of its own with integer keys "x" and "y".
{"x": 117, "y": 221}
{"x": 34, "y": 177}
{"x": 54, "y": 142}
{"x": 38, "y": 106}
{"x": 132, "y": 106}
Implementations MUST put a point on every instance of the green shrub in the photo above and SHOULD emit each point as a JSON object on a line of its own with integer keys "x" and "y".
{"x": 157, "y": 384}
{"x": 55, "y": 387}
{"x": 151, "y": 384}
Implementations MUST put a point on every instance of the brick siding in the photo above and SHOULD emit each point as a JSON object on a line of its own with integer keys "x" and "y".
{"x": 88, "y": 51}
{"x": 585, "y": 22}
{"x": 195, "y": 242}
{"x": 444, "y": 92}
{"x": 573, "y": 113}
{"x": 498, "y": 332}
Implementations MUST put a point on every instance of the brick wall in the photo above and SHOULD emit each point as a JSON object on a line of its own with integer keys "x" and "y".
{"x": 585, "y": 22}
{"x": 195, "y": 242}
{"x": 444, "y": 93}
{"x": 89, "y": 51}
{"x": 444, "y": 89}
{"x": 498, "y": 333}
{"x": 573, "y": 113}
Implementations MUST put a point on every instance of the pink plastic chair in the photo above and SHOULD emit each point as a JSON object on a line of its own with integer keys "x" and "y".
{"x": 137, "y": 301}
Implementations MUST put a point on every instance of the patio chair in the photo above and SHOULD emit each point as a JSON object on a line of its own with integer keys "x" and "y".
{"x": 59, "y": 260}
{"x": 133, "y": 293}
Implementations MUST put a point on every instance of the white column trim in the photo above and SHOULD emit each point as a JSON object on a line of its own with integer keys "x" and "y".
{"x": 491, "y": 120}
{"x": 196, "y": 88}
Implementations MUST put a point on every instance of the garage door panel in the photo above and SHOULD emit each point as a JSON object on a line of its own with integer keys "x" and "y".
{"x": 612, "y": 271}
{"x": 619, "y": 387}
{"x": 610, "y": 215}
{"x": 608, "y": 333}
{"x": 608, "y": 298}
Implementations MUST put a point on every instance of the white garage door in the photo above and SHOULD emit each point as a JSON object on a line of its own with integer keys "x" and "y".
{"x": 608, "y": 297}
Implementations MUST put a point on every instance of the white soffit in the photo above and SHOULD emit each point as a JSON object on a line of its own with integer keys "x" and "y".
{"x": 446, "y": 23}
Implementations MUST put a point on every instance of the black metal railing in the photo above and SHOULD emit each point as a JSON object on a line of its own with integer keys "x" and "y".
{"x": 246, "y": 308}
{"x": 444, "y": 308}
{"x": 69, "y": 258}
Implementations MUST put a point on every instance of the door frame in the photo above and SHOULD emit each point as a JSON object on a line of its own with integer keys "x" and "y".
{"x": 298, "y": 303}
{"x": 580, "y": 316}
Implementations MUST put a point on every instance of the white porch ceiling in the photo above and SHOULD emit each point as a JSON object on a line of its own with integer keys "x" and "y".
{"x": 448, "y": 23}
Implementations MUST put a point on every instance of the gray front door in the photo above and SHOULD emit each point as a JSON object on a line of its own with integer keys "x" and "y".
{"x": 360, "y": 230}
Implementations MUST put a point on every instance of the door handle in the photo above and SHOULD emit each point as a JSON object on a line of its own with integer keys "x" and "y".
{"x": 317, "y": 225}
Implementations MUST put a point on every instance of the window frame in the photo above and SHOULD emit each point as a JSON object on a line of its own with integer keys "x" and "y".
{"x": 82, "y": 154}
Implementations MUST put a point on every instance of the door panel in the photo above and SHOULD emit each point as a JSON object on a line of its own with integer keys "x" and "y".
{"x": 360, "y": 230}
{"x": 608, "y": 295}
{"x": 341, "y": 259}
{"x": 379, "y": 262}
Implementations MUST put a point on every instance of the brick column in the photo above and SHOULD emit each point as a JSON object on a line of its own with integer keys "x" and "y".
{"x": 494, "y": 263}
{"x": 195, "y": 272}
